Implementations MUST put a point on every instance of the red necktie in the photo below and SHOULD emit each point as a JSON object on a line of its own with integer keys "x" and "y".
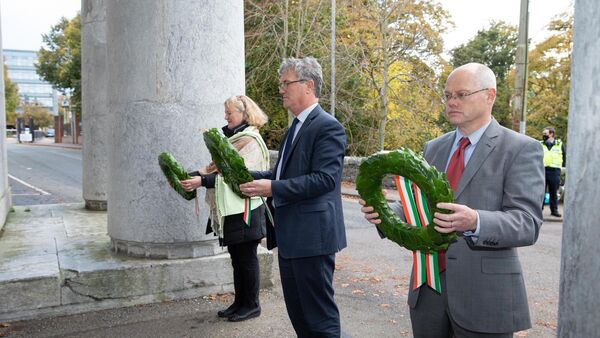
{"x": 454, "y": 172}
{"x": 457, "y": 163}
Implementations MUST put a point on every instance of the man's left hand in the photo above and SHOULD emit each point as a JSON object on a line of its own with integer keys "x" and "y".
{"x": 257, "y": 188}
{"x": 461, "y": 219}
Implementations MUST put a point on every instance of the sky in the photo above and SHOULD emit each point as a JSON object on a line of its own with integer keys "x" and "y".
{"x": 24, "y": 21}
{"x": 471, "y": 16}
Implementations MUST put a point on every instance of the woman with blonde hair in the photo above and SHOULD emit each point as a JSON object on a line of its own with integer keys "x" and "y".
{"x": 244, "y": 119}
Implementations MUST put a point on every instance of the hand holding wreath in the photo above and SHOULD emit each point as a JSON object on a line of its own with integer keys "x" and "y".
{"x": 461, "y": 219}
{"x": 257, "y": 188}
{"x": 432, "y": 183}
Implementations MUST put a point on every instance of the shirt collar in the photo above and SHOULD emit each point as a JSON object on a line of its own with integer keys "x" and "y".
{"x": 474, "y": 137}
{"x": 304, "y": 114}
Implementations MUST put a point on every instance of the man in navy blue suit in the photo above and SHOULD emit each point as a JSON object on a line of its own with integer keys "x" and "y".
{"x": 305, "y": 190}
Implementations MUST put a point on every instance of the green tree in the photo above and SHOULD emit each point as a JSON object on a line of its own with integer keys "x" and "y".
{"x": 60, "y": 61}
{"x": 275, "y": 30}
{"x": 496, "y": 48}
{"x": 549, "y": 80}
{"x": 393, "y": 45}
{"x": 41, "y": 116}
{"x": 11, "y": 98}
{"x": 278, "y": 29}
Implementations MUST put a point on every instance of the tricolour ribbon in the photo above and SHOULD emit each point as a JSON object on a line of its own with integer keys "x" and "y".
{"x": 247, "y": 210}
{"x": 414, "y": 205}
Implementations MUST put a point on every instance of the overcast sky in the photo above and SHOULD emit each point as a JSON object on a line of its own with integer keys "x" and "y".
{"x": 473, "y": 15}
{"x": 24, "y": 21}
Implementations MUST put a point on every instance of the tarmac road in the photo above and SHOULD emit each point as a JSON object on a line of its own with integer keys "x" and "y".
{"x": 44, "y": 174}
{"x": 371, "y": 281}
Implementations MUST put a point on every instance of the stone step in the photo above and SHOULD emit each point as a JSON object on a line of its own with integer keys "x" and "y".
{"x": 58, "y": 260}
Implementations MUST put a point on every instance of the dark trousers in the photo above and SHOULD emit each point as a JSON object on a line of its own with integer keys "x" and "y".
{"x": 552, "y": 183}
{"x": 308, "y": 292}
{"x": 430, "y": 318}
{"x": 246, "y": 273}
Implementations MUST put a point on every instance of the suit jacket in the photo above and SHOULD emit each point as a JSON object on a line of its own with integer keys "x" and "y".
{"x": 307, "y": 197}
{"x": 504, "y": 182}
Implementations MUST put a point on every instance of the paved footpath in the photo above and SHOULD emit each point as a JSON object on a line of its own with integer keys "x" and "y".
{"x": 371, "y": 282}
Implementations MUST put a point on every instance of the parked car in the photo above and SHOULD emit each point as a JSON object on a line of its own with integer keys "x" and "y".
{"x": 50, "y": 132}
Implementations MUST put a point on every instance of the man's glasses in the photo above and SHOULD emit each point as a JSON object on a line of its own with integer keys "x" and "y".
{"x": 285, "y": 84}
{"x": 461, "y": 95}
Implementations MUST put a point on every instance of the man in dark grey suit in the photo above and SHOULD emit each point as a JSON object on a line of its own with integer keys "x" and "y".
{"x": 496, "y": 210}
{"x": 305, "y": 188}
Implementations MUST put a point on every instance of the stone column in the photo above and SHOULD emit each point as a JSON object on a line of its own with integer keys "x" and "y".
{"x": 171, "y": 65}
{"x": 4, "y": 187}
{"x": 580, "y": 266}
{"x": 96, "y": 120}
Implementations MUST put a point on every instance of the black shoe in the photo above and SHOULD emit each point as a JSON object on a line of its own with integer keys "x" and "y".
{"x": 244, "y": 314}
{"x": 555, "y": 214}
{"x": 228, "y": 311}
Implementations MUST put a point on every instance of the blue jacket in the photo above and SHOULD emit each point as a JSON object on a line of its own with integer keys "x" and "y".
{"x": 307, "y": 197}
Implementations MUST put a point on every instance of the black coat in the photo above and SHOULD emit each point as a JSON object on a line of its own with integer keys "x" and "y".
{"x": 235, "y": 230}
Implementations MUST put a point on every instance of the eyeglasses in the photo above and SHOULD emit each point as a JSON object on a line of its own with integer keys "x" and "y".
{"x": 285, "y": 84}
{"x": 461, "y": 96}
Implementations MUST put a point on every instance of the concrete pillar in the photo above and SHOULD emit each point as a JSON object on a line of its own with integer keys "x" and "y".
{"x": 5, "y": 202}
{"x": 580, "y": 266}
{"x": 96, "y": 120}
{"x": 171, "y": 64}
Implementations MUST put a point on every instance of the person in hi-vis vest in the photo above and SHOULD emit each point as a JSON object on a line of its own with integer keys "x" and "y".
{"x": 555, "y": 158}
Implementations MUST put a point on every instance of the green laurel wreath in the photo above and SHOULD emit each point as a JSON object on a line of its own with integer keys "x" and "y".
{"x": 229, "y": 162}
{"x": 175, "y": 173}
{"x": 433, "y": 184}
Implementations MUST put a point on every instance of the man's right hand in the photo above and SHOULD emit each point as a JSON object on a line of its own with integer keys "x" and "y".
{"x": 371, "y": 216}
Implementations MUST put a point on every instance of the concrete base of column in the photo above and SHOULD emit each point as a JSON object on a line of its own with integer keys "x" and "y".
{"x": 5, "y": 204}
{"x": 166, "y": 250}
{"x": 96, "y": 205}
{"x": 70, "y": 267}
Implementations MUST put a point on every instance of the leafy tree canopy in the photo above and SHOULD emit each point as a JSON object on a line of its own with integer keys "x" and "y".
{"x": 59, "y": 62}
{"x": 11, "y": 98}
{"x": 41, "y": 116}
{"x": 385, "y": 53}
{"x": 496, "y": 48}
{"x": 550, "y": 79}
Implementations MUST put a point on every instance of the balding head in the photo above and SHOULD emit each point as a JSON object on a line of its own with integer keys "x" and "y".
{"x": 470, "y": 94}
{"x": 482, "y": 75}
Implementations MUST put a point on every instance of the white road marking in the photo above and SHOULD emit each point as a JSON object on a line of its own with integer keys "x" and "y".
{"x": 29, "y": 185}
{"x": 25, "y": 194}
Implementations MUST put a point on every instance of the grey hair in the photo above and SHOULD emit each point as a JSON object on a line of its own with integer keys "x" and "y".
{"x": 306, "y": 68}
{"x": 483, "y": 76}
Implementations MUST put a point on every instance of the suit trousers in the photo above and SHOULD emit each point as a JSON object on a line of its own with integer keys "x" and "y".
{"x": 246, "y": 273}
{"x": 431, "y": 317}
{"x": 308, "y": 292}
{"x": 552, "y": 183}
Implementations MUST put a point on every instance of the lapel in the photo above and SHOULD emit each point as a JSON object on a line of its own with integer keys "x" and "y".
{"x": 484, "y": 147}
{"x": 440, "y": 158}
{"x": 301, "y": 132}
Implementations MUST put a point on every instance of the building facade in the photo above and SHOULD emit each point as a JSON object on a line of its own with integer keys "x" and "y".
{"x": 32, "y": 89}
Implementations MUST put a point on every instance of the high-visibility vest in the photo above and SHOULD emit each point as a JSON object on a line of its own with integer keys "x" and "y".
{"x": 553, "y": 157}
